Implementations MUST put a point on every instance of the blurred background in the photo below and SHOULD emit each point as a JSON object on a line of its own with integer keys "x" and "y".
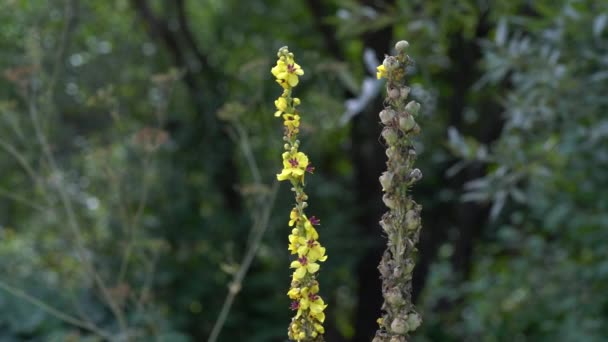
{"x": 138, "y": 154}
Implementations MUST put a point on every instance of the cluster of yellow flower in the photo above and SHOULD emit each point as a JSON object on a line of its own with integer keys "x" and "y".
{"x": 307, "y": 324}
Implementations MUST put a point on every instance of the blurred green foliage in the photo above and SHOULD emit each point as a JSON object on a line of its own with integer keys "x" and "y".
{"x": 138, "y": 149}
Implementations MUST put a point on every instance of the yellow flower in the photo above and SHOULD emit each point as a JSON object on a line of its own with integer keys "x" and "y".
{"x": 312, "y": 250}
{"x": 286, "y": 72}
{"x": 281, "y": 104}
{"x": 295, "y": 241}
{"x": 292, "y": 122}
{"x": 303, "y": 266}
{"x": 380, "y": 71}
{"x": 314, "y": 303}
{"x": 293, "y": 217}
{"x": 310, "y": 230}
{"x": 310, "y": 247}
{"x": 293, "y": 165}
{"x": 294, "y": 293}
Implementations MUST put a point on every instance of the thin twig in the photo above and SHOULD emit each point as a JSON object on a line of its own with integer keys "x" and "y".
{"x": 27, "y": 202}
{"x": 131, "y": 224}
{"x": 246, "y": 148}
{"x": 20, "y": 159}
{"x": 71, "y": 215}
{"x": 235, "y": 285}
{"x": 52, "y": 311}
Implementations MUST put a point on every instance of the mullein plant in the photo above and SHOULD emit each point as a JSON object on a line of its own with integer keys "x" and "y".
{"x": 401, "y": 223}
{"x": 307, "y": 323}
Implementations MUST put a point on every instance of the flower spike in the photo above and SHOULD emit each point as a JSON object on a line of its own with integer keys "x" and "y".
{"x": 307, "y": 324}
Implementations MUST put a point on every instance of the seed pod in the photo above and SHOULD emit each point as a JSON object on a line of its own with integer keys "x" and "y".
{"x": 387, "y": 115}
{"x": 415, "y": 175}
{"x": 413, "y": 321}
{"x": 401, "y": 45}
{"x": 394, "y": 296}
{"x": 388, "y": 201}
{"x": 386, "y": 179}
{"x": 404, "y": 92}
{"x": 394, "y": 94}
{"x": 390, "y": 135}
{"x": 390, "y": 63}
{"x": 406, "y": 122}
{"x": 412, "y": 107}
{"x": 400, "y": 326}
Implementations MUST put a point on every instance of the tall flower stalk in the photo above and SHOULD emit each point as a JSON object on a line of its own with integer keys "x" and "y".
{"x": 402, "y": 222}
{"x": 307, "y": 323}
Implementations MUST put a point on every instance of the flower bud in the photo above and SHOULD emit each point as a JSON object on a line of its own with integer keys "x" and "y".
{"x": 399, "y": 326}
{"x": 390, "y": 63}
{"x": 401, "y": 45}
{"x": 414, "y": 320}
{"x": 386, "y": 179}
{"x": 387, "y": 115}
{"x": 412, "y": 107}
{"x": 390, "y": 135}
{"x": 406, "y": 122}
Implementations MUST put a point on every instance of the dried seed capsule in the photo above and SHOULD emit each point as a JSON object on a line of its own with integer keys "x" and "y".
{"x": 406, "y": 122}
{"x": 387, "y": 115}
{"x": 414, "y": 321}
{"x": 394, "y": 296}
{"x": 404, "y": 92}
{"x": 412, "y": 107}
{"x": 394, "y": 94}
{"x": 401, "y": 45}
{"x": 390, "y": 63}
{"x": 386, "y": 179}
{"x": 400, "y": 326}
{"x": 388, "y": 201}
{"x": 390, "y": 135}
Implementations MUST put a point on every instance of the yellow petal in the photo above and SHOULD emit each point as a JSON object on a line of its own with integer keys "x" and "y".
{"x": 312, "y": 267}
{"x": 299, "y": 273}
{"x": 283, "y": 175}
{"x": 293, "y": 80}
